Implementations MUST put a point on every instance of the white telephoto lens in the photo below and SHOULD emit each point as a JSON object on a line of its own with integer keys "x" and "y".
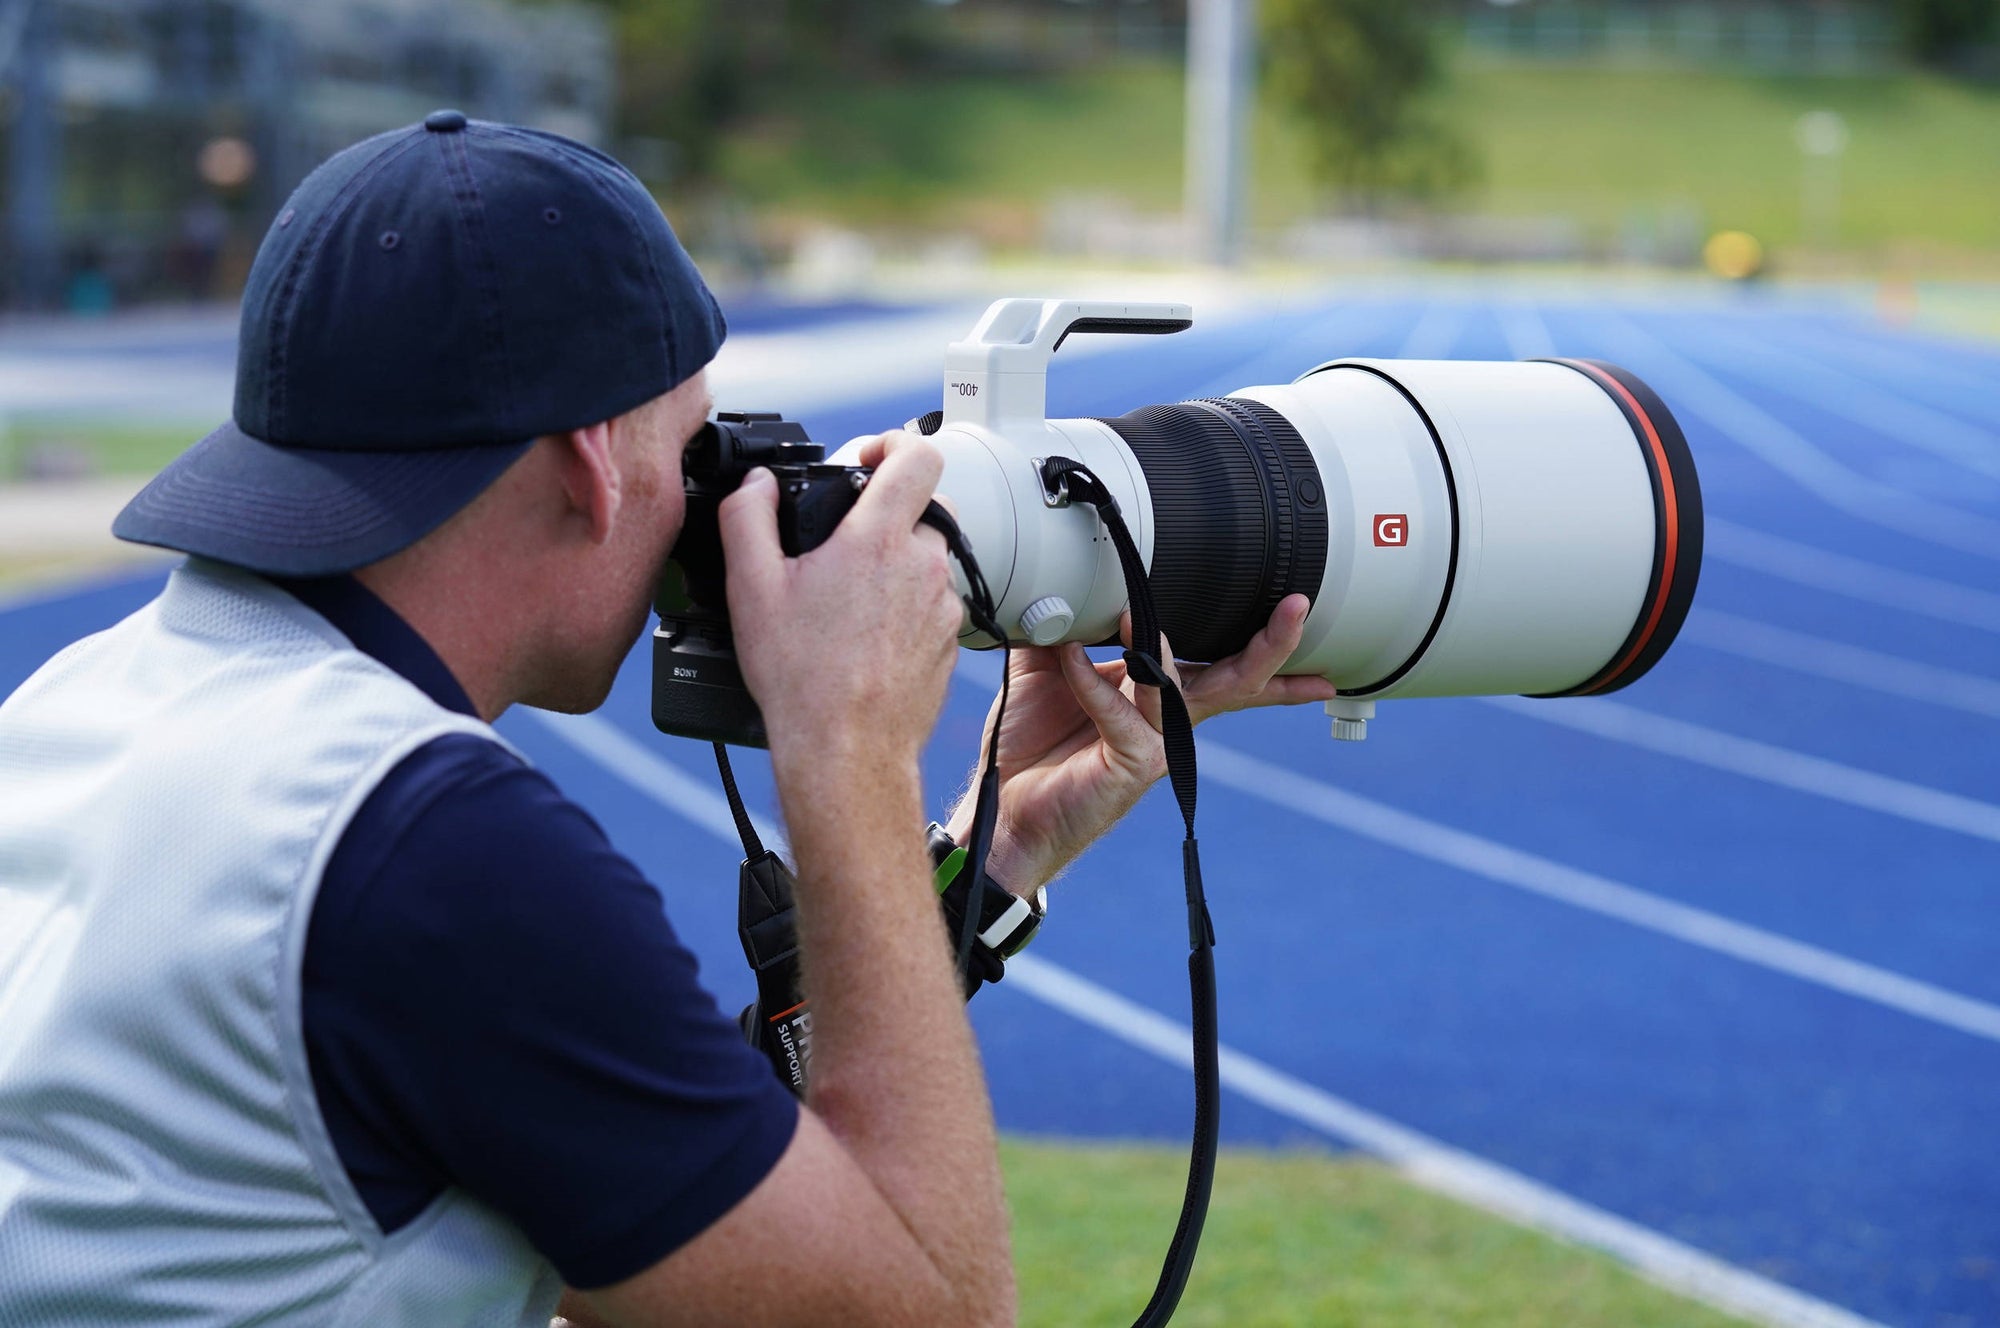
{"x": 1462, "y": 528}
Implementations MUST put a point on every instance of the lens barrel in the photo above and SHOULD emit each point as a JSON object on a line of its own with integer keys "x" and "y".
{"x": 1462, "y": 528}
{"x": 1239, "y": 518}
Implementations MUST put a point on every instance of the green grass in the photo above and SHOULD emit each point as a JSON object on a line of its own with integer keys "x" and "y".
{"x": 1920, "y": 181}
{"x": 101, "y": 448}
{"x": 29, "y": 573}
{"x": 1922, "y": 166}
{"x": 1299, "y": 1239}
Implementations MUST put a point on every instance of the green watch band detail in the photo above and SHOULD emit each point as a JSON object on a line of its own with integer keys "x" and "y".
{"x": 948, "y": 870}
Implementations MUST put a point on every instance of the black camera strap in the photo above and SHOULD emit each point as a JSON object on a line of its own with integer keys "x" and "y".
{"x": 1074, "y": 482}
{"x": 779, "y": 1022}
{"x": 986, "y": 803}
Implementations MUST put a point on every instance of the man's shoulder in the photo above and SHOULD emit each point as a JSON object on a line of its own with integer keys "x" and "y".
{"x": 464, "y": 823}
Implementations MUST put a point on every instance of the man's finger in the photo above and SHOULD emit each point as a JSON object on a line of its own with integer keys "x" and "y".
{"x": 1271, "y": 647}
{"x": 1118, "y": 721}
{"x": 1297, "y": 689}
{"x": 871, "y": 450}
{"x": 748, "y": 523}
{"x": 1247, "y": 672}
{"x": 902, "y": 484}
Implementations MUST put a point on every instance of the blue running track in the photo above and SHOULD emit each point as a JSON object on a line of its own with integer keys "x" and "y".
{"x": 1720, "y": 956}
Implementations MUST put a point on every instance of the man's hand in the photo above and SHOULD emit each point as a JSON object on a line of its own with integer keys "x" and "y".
{"x": 853, "y": 643}
{"x": 887, "y": 1207}
{"x": 1080, "y": 742}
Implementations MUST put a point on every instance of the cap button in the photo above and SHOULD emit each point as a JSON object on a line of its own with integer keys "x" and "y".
{"x": 445, "y": 122}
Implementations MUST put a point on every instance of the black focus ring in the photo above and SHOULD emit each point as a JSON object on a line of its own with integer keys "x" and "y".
{"x": 1239, "y": 517}
{"x": 1262, "y": 440}
{"x": 1208, "y": 523}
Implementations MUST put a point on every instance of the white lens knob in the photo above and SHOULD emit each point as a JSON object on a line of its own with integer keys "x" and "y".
{"x": 1350, "y": 718}
{"x": 1046, "y": 620}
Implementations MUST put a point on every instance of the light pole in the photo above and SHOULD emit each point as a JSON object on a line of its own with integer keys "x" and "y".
{"x": 34, "y": 146}
{"x": 1220, "y": 80}
{"x": 1822, "y": 138}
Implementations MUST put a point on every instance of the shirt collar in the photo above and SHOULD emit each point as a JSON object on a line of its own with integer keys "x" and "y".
{"x": 379, "y": 632}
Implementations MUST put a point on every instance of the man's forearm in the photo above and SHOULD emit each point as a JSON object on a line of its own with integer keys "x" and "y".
{"x": 895, "y": 1071}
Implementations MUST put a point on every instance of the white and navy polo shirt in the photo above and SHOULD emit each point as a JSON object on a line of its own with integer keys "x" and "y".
{"x": 318, "y": 1004}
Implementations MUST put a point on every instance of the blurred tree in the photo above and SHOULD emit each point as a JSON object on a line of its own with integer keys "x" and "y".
{"x": 685, "y": 71}
{"x": 1947, "y": 32}
{"x": 689, "y": 69}
{"x": 1356, "y": 71}
{"x": 862, "y": 37}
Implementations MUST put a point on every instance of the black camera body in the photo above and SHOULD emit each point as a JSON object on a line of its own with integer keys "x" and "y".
{"x": 698, "y": 689}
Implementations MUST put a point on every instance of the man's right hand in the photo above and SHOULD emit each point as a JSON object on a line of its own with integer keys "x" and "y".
{"x": 854, "y": 642}
{"x": 887, "y": 1208}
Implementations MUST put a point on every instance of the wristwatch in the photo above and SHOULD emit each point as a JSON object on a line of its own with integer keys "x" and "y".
{"x": 1007, "y": 921}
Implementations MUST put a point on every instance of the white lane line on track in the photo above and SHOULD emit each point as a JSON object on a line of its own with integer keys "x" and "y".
{"x": 1762, "y": 761}
{"x": 1435, "y": 1165}
{"x": 1527, "y": 336}
{"x": 1863, "y": 355}
{"x": 1425, "y": 1161}
{"x": 1839, "y": 662}
{"x": 26, "y": 597}
{"x": 1296, "y": 792}
{"x": 1840, "y": 574}
{"x": 1435, "y": 334}
{"x": 1802, "y": 564}
{"x": 1693, "y": 392}
{"x": 656, "y": 777}
{"x": 1820, "y": 386}
{"x": 1525, "y": 332}
{"x": 1497, "y": 862}
{"x": 1317, "y": 339}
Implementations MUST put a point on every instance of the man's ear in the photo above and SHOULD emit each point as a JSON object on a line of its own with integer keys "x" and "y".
{"x": 591, "y": 478}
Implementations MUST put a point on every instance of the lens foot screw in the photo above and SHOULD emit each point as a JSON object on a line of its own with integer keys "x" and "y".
{"x": 1350, "y": 718}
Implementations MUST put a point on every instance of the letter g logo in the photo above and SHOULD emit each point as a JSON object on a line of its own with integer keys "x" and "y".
{"x": 1392, "y": 530}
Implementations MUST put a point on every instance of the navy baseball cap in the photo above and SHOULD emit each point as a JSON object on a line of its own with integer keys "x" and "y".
{"x": 426, "y": 305}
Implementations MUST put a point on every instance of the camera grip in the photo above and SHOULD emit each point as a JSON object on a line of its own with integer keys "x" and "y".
{"x": 812, "y": 501}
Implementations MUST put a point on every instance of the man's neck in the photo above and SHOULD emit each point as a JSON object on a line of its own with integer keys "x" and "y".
{"x": 461, "y": 618}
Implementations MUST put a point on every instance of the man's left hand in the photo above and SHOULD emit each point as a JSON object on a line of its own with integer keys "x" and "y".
{"x": 1080, "y": 742}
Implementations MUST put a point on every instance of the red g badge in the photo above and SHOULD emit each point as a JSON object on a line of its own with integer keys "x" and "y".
{"x": 1392, "y": 530}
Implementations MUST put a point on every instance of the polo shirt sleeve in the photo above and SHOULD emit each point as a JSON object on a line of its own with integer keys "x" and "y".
{"x": 494, "y": 1000}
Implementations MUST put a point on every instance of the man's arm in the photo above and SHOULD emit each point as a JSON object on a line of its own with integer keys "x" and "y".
{"x": 887, "y": 1207}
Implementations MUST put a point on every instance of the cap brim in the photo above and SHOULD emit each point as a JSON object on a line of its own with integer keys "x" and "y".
{"x": 295, "y": 511}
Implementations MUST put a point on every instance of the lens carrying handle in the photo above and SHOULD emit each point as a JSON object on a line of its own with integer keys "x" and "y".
{"x": 1071, "y": 481}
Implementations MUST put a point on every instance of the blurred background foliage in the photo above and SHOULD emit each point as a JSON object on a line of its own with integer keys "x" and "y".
{"x": 1599, "y": 131}
{"x": 778, "y": 133}
{"x": 1355, "y": 75}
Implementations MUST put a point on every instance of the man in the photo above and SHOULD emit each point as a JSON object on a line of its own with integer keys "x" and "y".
{"x": 318, "y": 1005}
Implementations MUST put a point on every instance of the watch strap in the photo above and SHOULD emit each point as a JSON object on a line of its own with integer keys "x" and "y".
{"x": 1007, "y": 921}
